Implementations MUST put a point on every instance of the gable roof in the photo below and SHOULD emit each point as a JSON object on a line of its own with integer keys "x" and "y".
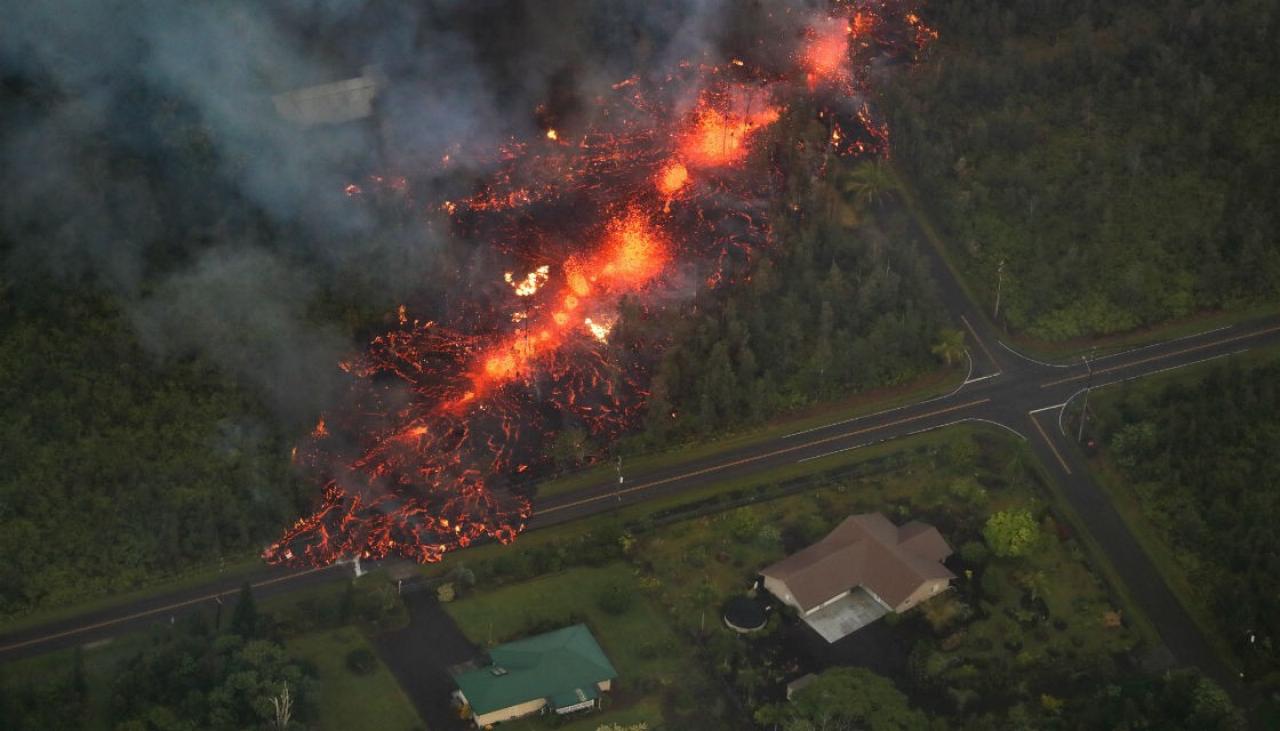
{"x": 865, "y": 550}
{"x": 544, "y": 666}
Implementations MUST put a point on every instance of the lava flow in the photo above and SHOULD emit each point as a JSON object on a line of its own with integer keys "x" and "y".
{"x": 444, "y": 420}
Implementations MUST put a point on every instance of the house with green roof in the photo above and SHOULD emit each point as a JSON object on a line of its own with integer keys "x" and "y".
{"x": 562, "y": 671}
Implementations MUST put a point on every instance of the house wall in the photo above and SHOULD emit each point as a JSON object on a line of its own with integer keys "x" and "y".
{"x": 510, "y": 712}
{"x": 605, "y": 685}
{"x": 780, "y": 590}
{"x": 922, "y": 592}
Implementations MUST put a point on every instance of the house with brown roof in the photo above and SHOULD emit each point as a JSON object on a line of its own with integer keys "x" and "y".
{"x": 863, "y": 569}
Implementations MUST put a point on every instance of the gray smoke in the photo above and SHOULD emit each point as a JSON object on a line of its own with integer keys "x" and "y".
{"x": 226, "y": 254}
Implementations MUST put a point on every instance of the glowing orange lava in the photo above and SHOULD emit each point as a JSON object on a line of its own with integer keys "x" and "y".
{"x": 420, "y": 457}
{"x": 672, "y": 178}
{"x": 826, "y": 57}
{"x": 718, "y": 138}
{"x": 632, "y": 254}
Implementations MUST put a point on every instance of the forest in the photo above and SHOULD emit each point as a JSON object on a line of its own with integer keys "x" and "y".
{"x": 840, "y": 302}
{"x": 168, "y": 334}
{"x": 1200, "y": 457}
{"x": 1106, "y": 165}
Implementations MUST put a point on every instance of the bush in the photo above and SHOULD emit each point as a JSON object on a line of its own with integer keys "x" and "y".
{"x": 445, "y": 592}
{"x": 615, "y": 599}
{"x": 1011, "y": 533}
{"x": 361, "y": 661}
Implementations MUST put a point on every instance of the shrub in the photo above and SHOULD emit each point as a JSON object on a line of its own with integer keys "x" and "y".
{"x": 445, "y": 592}
{"x": 1011, "y": 533}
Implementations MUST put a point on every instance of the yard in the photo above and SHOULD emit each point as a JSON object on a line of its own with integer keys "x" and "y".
{"x": 651, "y": 659}
{"x": 349, "y": 700}
{"x": 1014, "y": 636}
{"x": 1011, "y": 631}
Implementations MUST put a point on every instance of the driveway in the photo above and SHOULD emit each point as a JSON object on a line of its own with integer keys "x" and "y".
{"x": 421, "y": 654}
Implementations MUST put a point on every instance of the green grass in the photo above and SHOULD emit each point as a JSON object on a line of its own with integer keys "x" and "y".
{"x": 933, "y": 384}
{"x": 685, "y": 570}
{"x": 1066, "y": 350}
{"x": 1062, "y": 351}
{"x": 640, "y": 511}
{"x": 348, "y": 701}
{"x": 196, "y": 576}
{"x": 639, "y": 642}
{"x": 936, "y": 383}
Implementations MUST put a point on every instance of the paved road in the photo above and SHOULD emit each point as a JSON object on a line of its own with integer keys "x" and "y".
{"x": 1003, "y": 388}
{"x": 1020, "y": 395}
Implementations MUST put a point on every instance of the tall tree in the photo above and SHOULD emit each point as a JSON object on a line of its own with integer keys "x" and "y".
{"x": 244, "y": 620}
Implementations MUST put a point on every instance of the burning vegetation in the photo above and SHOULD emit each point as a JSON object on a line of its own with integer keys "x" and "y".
{"x": 444, "y": 419}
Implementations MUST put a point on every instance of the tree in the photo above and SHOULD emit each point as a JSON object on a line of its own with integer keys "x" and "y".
{"x": 870, "y": 182}
{"x": 1011, "y": 533}
{"x": 851, "y": 698}
{"x": 950, "y": 346}
{"x": 570, "y": 448}
{"x": 244, "y": 620}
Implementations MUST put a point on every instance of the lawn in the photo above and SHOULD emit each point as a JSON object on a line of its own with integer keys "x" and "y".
{"x": 1039, "y": 623}
{"x": 346, "y": 700}
{"x": 643, "y": 648}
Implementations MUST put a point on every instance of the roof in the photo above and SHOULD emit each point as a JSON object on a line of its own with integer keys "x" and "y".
{"x": 335, "y": 102}
{"x": 869, "y": 551}
{"x": 555, "y": 665}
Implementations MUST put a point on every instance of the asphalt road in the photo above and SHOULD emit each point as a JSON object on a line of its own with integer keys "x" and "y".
{"x": 1003, "y": 388}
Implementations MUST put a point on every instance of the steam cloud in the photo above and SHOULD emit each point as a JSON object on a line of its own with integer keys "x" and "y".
{"x": 139, "y": 80}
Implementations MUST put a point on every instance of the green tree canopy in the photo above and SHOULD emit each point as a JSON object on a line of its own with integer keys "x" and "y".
{"x": 1011, "y": 533}
{"x": 852, "y": 698}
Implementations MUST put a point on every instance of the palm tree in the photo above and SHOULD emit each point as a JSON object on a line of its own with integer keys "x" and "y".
{"x": 870, "y": 182}
{"x": 950, "y": 347}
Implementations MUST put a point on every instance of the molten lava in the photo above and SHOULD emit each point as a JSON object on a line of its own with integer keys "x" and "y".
{"x": 826, "y": 57}
{"x": 442, "y": 416}
{"x": 720, "y": 137}
{"x": 672, "y": 178}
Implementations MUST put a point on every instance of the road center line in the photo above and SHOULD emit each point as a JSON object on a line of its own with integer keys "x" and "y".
{"x": 981, "y": 344}
{"x": 1162, "y": 356}
{"x": 615, "y": 494}
{"x": 161, "y": 610}
{"x": 1036, "y": 423}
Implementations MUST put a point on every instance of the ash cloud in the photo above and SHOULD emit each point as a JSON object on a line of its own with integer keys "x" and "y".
{"x": 145, "y": 154}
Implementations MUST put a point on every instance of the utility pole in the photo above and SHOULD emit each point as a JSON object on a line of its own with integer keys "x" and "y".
{"x": 999, "y": 285}
{"x": 620, "y": 478}
{"x": 1088, "y": 386}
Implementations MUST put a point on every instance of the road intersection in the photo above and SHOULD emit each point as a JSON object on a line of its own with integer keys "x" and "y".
{"x": 1003, "y": 387}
